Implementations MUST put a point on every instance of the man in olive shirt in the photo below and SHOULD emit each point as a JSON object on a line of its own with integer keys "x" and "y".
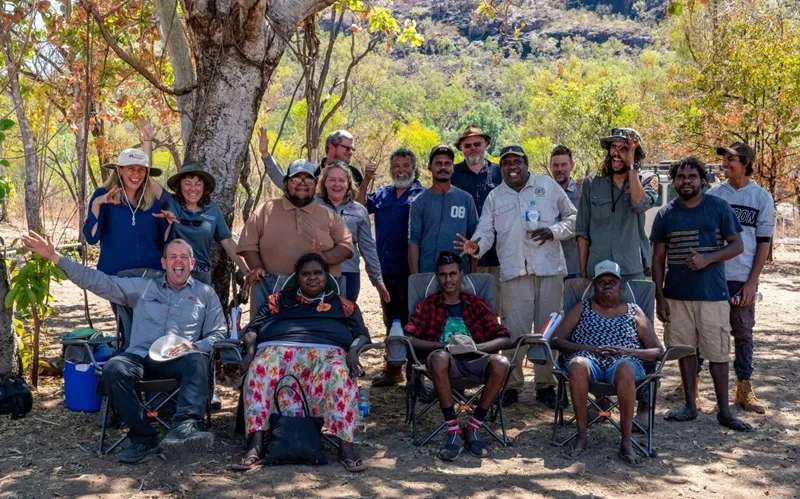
{"x": 611, "y": 214}
{"x": 283, "y": 228}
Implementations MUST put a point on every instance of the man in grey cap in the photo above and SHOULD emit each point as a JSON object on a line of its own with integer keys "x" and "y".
{"x": 339, "y": 146}
{"x": 527, "y": 215}
{"x": 281, "y": 229}
{"x": 611, "y": 215}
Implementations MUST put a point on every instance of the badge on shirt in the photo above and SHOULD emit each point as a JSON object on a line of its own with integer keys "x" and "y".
{"x": 195, "y": 299}
{"x": 323, "y": 307}
{"x": 654, "y": 183}
{"x": 540, "y": 191}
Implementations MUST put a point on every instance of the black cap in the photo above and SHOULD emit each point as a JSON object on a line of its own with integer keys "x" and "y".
{"x": 621, "y": 135}
{"x": 739, "y": 149}
{"x": 514, "y": 149}
{"x": 441, "y": 149}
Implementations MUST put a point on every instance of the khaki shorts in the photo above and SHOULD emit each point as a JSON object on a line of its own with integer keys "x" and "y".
{"x": 703, "y": 325}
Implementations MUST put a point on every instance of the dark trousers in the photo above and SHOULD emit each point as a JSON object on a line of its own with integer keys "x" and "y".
{"x": 123, "y": 370}
{"x": 352, "y": 285}
{"x": 743, "y": 319}
{"x": 397, "y": 284}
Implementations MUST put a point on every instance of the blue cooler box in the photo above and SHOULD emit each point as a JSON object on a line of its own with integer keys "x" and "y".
{"x": 80, "y": 383}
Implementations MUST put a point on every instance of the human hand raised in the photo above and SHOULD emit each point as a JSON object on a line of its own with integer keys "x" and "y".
{"x": 167, "y": 215}
{"x": 42, "y": 246}
{"x": 466, "y": 246}
{"x": 110, "y": 197}
{"x": 263, "y": 142}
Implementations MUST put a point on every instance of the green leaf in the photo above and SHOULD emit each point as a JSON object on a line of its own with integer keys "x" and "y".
{"x": 5, "y": 162}
{"x": 6, "y": 124}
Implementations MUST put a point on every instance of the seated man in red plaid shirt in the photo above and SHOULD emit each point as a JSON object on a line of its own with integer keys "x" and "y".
{"x": 460, "y": 334}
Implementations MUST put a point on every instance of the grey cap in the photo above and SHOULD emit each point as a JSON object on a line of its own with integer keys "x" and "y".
{"x": 459, "y": 344}
{"x": 607, "y": 267}
{"x": 301, "y": 166}
{"x": 621, "y": 135}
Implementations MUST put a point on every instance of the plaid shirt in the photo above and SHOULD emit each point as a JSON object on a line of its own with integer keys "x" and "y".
{"x": 430, "y": 316}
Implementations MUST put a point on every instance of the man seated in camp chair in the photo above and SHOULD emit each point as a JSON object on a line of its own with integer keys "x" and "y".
{"x": 606, "y": 340}
{"x": 174, "y": 304}
{"x": 461, "y": 337}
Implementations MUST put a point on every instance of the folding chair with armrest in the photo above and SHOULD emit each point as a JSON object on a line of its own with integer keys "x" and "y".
{"x": 153, "y": 394}
{"x": 602, "y": 395}
{"x": 421, "y": 286}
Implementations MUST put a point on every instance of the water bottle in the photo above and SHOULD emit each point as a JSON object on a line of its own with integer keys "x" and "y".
{"x": 395, "y": 346}
{"x": 736, "y": 300}
{"x": 531, "y": 218}
{"x": 364, "y": 410}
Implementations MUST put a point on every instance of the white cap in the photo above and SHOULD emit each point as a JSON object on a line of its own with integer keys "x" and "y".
{"x": 607, "y": 267}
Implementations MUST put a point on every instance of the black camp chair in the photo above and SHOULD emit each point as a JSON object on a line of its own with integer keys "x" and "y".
{"x": 602, "y": 396}
{"x": 230, "y": 351}
{"x": 466, "y": 393}
{"x": 154, "y": 395}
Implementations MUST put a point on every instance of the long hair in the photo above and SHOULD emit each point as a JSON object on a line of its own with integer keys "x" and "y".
{"x": 322, "y": 190}
{"x": 144, "y": 192}
{"x": 204, "y": 199}
{"x": 606, "y": 169}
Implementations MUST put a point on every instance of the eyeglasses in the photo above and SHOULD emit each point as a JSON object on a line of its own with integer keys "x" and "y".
{"x": 306, "y": 181}
{"x": 349, "y": 148}
{"x": 193, "y": 223}
{"x": 471, "y": 145}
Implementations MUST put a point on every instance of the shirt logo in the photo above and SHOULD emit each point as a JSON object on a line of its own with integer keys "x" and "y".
{"x": 747, "y": 216}
{"x": 458, "y": 212}
{"x": 195, "y": 299}
{"x": 540, "y": 191}
{"x": 208, "y": 217}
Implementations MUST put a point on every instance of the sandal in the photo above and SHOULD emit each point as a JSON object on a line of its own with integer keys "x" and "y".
{"x": 572, "y": 454}
{"x": 634, "y": 461}
{"x": 735, "y": 424}
{"x": 681, "y": 415}
{"x": 247, "y": 463}
{"x": 353, "y": 466}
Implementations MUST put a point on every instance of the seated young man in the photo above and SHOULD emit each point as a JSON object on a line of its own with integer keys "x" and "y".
{"x": 173, "y": 304}
{"x": 436, "y": 321}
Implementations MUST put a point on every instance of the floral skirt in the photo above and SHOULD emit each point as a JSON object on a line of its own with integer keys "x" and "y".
{"x": 331, "y": 392}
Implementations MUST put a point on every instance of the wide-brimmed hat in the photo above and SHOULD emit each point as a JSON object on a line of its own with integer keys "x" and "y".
{"x": 621, "y": 135}
{"x": 159, "y": 350}
{"x": 739, "y": 149}
{"x": 130, "y": 157}
{"x": 194, "y": 169}
{"x": 441, "y": 149}
{"x": 472, "y": 131}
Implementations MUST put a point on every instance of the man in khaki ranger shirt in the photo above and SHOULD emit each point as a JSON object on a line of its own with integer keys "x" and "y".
{"x": 527, "y": 215}
{"x": 281, "y": 230}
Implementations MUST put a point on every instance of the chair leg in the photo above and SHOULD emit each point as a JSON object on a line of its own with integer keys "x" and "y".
{"x": 104, "y": 425}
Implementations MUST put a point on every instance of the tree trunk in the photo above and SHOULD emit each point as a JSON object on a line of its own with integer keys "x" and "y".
{"x": 180, "y": 55}
{"x": 9, "y": 359}
{"x": 32, "y": 204}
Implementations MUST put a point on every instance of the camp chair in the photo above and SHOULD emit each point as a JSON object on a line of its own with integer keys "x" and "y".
{"x": 154, "y": 395}
{"x": 602, "y": 396}
{"x": 421, "y": 286}
{"x": 230, "y": 350}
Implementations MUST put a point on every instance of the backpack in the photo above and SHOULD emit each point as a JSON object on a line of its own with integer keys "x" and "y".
{"x": 15, "y": 397}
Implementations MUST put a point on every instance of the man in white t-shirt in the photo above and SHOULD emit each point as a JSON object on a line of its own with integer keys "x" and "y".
{"x": 755, "y": 209}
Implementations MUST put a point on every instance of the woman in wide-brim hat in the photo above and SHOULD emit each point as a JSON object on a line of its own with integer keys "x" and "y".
{"x": 198, "y": 220}
{"x": 120, "y": 217}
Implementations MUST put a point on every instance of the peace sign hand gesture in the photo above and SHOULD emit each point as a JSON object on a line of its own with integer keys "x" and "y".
{"x": 466, "y": 247}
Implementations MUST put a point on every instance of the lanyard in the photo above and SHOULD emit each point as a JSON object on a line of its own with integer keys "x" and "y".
{"x": 621, "y": 192}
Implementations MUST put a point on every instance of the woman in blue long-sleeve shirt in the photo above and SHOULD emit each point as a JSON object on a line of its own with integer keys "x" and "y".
{"x": 121, "y": 217}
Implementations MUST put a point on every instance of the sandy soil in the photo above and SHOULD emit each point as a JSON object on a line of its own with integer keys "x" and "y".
{"x": 51, "y": 452}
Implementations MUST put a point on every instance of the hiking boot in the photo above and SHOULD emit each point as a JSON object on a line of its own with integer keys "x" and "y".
{"x": 679, "y": 395}
{"x": 391, "y": 375}
{"x": 746, "y": 398}
{"x": 474, "y": 444}
{"x": 547, "y": 396}
{"x": 135, "y": 453}
{"x": 216, "y": 402}
{"x": 511, "y": 396}
{"x": 188, "y": 436}
{"x": 452, "y": 447}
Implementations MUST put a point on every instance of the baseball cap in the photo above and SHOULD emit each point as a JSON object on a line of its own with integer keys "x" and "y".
{"x": 607, "y": 267}
{"x": 130, "y": 157}
{"x": 738, "y": 149}
{"x": 301, "y": 166}
{"x": 621, "y": 135}
{"x": 441, "y": 149}
{"x": 460, "y": 344}
{"x": 514, "y": 149}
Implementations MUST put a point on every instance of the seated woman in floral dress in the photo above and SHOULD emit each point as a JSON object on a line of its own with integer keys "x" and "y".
{"x": 315, "y": 335}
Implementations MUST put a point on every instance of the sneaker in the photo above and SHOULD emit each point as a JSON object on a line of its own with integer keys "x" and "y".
{"x": 474, "y": 444}
{"x": 216, "y": 402}
{"x": 547, "y": 396}
{"x": 452, "y": 447}
{"x": 135, "y": 453}
{"x": 187, "y": 435}
{"x": 510, "y": 397}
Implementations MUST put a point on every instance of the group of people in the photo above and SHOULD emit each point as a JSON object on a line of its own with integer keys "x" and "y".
{"x": 531, "y": 232}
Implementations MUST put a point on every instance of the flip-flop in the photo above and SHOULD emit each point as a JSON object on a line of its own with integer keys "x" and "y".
{"x": 735, "y": 424}
{"x": 572, "y": 454}
{"x": 247, "y": 463}
{"x": 353, "y": 466}
{"x": 680, "y": 415}
{"x": 633, "y": 461}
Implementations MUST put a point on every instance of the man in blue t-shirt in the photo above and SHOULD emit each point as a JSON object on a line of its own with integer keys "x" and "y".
{"x": 690, "y": 235}
{"x": 438, "y": 215}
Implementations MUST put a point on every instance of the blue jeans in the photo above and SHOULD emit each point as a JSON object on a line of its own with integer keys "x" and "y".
{"x": 352, "y": 285}
{"x": 600, "y": 375}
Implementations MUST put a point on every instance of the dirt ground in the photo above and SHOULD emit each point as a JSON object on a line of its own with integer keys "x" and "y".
{"x": 51, "y": 453}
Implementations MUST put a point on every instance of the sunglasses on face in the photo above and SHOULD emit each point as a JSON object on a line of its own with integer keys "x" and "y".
{"x": 298, "y": 181}
{"x": 349, "y": 148}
